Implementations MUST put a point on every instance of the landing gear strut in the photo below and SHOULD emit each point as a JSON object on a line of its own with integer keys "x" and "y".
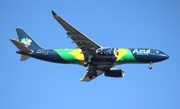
{"x": 90, "y": 76}
{"x": 88, "y": 61}
{"x": 150, "y": 66}
{"x": 93, "y": 74}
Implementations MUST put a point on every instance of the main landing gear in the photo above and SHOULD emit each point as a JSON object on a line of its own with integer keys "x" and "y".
{"x": 150, "y": 66}
{"x": 92, "y": 74}
{"x": 92, "y": 68}
{"x": 85, "y": 64}
{"x": 88, "y": 61}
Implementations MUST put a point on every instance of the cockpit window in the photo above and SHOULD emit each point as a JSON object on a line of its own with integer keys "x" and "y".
{"x": 157, "y": 52}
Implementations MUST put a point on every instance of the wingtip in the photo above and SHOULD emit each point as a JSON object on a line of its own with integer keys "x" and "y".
{"x": 18, "y": 28}
{"x": 53, "y": 13}
{"x": 82, "y": 80}
{"x": 12, "y": 40}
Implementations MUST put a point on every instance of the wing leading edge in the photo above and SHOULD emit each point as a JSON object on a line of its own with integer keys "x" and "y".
{"x": 83, "y": 42}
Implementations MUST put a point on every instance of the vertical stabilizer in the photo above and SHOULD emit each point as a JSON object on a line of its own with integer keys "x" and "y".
{"x": 26, "y": 39}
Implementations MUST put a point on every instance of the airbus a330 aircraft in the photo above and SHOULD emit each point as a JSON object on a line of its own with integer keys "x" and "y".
{"x": 96, "y": 58}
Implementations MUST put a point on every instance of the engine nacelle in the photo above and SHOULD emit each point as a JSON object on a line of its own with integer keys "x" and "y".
{"x": 107, "y": 52}
{"x": 114, "y": 73}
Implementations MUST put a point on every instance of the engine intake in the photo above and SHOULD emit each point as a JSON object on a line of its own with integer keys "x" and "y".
{"x": 114, "y": 73}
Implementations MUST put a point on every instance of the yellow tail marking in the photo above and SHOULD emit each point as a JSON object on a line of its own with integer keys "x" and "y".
{"x": 78, "y": 55}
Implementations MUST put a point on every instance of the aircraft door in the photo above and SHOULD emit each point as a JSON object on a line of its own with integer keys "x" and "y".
{"x": 46, "y": 52}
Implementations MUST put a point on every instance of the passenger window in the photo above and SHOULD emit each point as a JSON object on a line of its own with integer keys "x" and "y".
{"x": 157, "y": 52}
{"x": 38, "y": 51}
{"x": 152, "y": 51}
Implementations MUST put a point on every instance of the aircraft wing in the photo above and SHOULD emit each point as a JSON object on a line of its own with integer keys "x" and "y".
{"x": 83, "y": 42}
{"x": 87, "y": 46}
{"x": 91, "y": 70}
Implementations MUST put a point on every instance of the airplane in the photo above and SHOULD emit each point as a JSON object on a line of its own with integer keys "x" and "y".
{"x": 88, "y": 53}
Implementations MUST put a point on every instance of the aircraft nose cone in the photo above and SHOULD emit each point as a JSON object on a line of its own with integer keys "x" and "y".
{"x": 166, "y": 56}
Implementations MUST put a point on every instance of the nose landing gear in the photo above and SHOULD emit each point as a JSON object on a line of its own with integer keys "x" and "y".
{"x": 150, "y": 66}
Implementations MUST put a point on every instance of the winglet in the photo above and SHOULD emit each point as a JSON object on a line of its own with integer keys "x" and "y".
{"x": 53, "y": 13}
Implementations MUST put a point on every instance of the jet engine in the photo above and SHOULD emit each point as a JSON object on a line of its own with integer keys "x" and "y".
{"x": 107, "y": 52}
{"x": 114, "y": 73}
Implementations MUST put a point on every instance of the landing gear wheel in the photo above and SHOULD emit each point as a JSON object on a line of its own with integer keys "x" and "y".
{"x": 150, "y": 66}
{"x": 90, "y": 76}
{"x": 95, "y": 74}
{"x": 85, "y": 64}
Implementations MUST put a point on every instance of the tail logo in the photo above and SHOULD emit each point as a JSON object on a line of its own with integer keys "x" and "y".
{"x": 26, "y": 42}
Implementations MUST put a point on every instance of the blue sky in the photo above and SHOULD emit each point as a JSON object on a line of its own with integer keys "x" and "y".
{"x": 36, "y": 84}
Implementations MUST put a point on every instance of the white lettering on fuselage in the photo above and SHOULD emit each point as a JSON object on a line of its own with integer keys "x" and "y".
{"x": 141, "y": 51}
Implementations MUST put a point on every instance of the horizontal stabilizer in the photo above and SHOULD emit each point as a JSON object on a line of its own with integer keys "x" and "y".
{"x": 20, "y": 46}
{"x": 24, "y": 57}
